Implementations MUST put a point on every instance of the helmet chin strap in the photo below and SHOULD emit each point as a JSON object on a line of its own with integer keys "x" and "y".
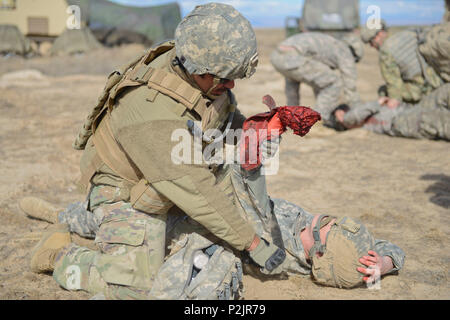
{"x": 318, "y": 247}
{"x": 216, "y": 82}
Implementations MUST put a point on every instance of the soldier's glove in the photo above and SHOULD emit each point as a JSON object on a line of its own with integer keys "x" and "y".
{"x": 267, "y": 255}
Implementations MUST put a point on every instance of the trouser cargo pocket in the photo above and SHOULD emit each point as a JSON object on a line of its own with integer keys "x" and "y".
{"x": 132, "y": 249}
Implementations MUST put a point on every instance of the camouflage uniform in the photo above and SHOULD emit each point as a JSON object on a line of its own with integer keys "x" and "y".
{"x": 321, "y": 61}
{"x": 131, "y": 250}
{"x": 407, "y": 75}
{"x": 155, "y": 97}
{"x": 428, "y": 119}
{"x": 293, "y": 219}
{"x": 275, "y": 219}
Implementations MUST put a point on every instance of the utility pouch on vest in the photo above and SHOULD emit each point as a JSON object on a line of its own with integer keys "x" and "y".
{"x": 218, "y": 278}
{"x": 144, "y": 197}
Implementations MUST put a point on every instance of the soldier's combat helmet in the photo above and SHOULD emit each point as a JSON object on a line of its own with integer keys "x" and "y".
{"x": 347, "y": 241}
{"x": 368, "y": 33}
{"x": 215, "y": 38}
{"x": 355, "y": 45}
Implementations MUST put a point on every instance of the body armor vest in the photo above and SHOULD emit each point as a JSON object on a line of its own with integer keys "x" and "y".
{"x": 109, "y": 151}
{"x": 403, "y": 46}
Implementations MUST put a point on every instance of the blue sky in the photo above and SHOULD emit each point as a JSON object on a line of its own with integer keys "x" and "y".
{"x": 271, "y": 13}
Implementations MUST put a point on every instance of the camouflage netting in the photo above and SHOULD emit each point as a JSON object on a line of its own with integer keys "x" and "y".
{"x": 75, "y": 41}
{"x": 13, "y": 41}
{"x": 157, "y": 23}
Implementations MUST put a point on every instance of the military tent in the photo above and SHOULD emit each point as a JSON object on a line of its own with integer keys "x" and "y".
{"x": 73, "y": 41}
{"x": 157, "y": 23}
{"x": 13, "y": 41}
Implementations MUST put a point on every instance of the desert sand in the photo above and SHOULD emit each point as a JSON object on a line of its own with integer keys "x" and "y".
{"x": 400, "y": 188}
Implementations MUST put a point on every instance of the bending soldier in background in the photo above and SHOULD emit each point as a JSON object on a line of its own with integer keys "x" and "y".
{"x": 407, "y": 75}
{"x": 323, "y": 62}
{"x": 428, "y": 119}
{"x": 127, "y": 164}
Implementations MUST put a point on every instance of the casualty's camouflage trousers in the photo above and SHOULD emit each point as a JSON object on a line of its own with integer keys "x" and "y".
{"x": 326, "y": 82}
{"x": 131, "y": 248}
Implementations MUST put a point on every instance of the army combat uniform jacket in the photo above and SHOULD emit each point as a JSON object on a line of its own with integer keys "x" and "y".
{"x": 407, "y": 75}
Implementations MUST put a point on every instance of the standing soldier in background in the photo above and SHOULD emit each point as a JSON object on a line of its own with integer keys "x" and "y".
{"x": 323, "y": 62}
{"x": 407, "y": 75}
{"x": 446, "y": 17}
{"x": 127, "y": 162}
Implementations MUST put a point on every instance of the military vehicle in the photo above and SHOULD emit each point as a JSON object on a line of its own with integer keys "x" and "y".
{"x": 334, "y": 17}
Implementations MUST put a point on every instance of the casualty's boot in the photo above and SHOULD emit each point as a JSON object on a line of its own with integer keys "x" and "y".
{"x": 40, "y": 209}
{"x": 44, "y": 253}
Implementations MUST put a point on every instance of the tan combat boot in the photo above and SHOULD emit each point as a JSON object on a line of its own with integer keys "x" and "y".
{"x": 44, "y": 253}
{"x": 40, "y": 209}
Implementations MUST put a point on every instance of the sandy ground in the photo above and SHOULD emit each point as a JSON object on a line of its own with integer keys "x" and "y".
{"x": 399, "y": 187}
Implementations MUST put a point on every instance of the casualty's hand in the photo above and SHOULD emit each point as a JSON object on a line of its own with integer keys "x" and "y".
{"x": 383, "y": 100}
{"x": 266, "y": 254}
{"x": 392, "y": 103}
{"x": 377, "y": 266}
{"x": 339, "y": 114}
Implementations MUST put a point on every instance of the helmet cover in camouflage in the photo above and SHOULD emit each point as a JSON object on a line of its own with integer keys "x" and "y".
{"x": 347, "y": 241}
{"x": 367, "y": 34}
{"x": 356, "y": 45}
{"x": 216, "y": 39}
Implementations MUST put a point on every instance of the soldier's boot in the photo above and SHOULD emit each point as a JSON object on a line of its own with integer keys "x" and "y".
{"x": 40, "y": 209}
{"x": 52, "y": 242}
